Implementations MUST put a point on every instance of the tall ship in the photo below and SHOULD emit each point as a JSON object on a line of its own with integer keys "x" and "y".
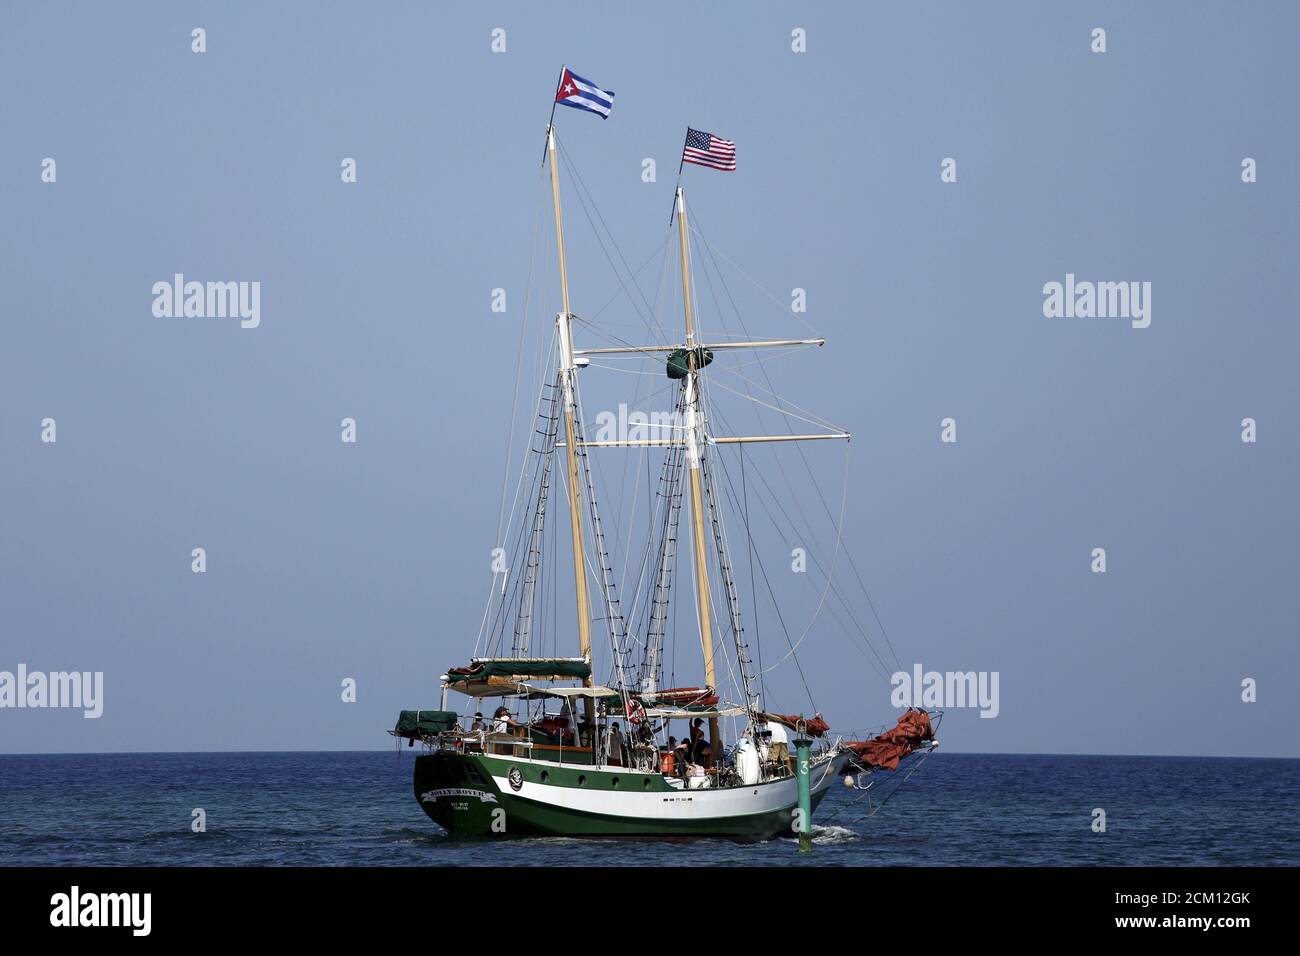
{"x": 582, "y": 726}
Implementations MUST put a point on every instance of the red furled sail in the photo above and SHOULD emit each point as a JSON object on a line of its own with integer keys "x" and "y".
{"x": 683, "y": 696}
{"x": 887, "y": 749}
{"x": 814, "y": 726}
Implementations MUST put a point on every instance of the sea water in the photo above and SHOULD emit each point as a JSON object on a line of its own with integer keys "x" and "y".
{"x": 342, "y": 809}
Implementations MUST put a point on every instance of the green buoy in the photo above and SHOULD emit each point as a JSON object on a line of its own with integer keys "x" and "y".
{"x": 802, "y": 759}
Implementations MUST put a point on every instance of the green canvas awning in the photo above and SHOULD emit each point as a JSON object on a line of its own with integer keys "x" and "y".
{"x": 415, "y": 723}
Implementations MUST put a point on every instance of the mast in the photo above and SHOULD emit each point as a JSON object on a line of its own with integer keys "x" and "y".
{"x": 693, "y": 436}
{"x": 564, "y": 324}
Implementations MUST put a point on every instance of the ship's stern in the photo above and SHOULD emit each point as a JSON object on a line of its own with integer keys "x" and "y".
{"x": 458, "y": 794}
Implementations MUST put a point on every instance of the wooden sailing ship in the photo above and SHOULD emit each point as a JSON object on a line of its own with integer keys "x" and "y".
{"x": 564, "y": 754}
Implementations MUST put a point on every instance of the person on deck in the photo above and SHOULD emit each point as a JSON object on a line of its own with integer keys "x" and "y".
{"x": 778, "y": 745}
{"x": 615, "y": 745}
{"x": 683, "y": 752}
{"x": 668, "y": 758}
{"x": 699, "y": 751}
{"x": 472, "y": 742}
{"x": 501, "y": 721}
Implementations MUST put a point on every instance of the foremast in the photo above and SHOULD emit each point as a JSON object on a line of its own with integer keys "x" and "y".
{"x": 567, "y": 371}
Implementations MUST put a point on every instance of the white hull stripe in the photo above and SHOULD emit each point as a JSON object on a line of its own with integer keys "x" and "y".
{"x": 682, "y": 804}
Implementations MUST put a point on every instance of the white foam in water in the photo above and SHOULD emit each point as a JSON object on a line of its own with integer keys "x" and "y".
{"x": 833, "y": 835}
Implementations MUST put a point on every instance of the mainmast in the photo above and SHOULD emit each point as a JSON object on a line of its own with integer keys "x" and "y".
{"x": 694, "y": 439}
{"x": 568, "y": 368}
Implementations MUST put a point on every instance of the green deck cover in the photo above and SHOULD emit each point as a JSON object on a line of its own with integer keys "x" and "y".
{"x": 413, "y": 722}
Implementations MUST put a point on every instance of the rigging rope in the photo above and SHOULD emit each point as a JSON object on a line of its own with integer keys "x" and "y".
{"x": 803, "y": 457}
{"x": 865, "y": 792}
{"x": 514, "y": 404}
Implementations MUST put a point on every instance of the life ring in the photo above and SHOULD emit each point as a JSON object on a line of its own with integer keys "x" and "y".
{"x": 635, "y": 712}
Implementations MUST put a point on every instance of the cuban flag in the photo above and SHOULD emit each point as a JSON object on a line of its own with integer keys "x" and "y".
{"x": 583, "y": 95}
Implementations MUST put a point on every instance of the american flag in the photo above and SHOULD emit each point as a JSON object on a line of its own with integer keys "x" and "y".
{"x": 705, "y": 149}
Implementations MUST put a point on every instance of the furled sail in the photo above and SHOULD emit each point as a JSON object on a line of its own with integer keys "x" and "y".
{"x": 492, "y": 676}
{"x": 682, "y": 697}
{"x": 887, "y": 749}
{"x": 536, "y": 668}
{"x": 814, "y": 726}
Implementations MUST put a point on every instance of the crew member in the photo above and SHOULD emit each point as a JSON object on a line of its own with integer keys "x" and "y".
{"x": 615, "y": 745}
{"x": 668, "y": 759}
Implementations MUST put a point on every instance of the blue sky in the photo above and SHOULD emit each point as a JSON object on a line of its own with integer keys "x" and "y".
{"x": 370, "y": 561}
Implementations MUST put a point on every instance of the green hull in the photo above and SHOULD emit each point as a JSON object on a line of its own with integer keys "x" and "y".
{"x": 461, "y": 794}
